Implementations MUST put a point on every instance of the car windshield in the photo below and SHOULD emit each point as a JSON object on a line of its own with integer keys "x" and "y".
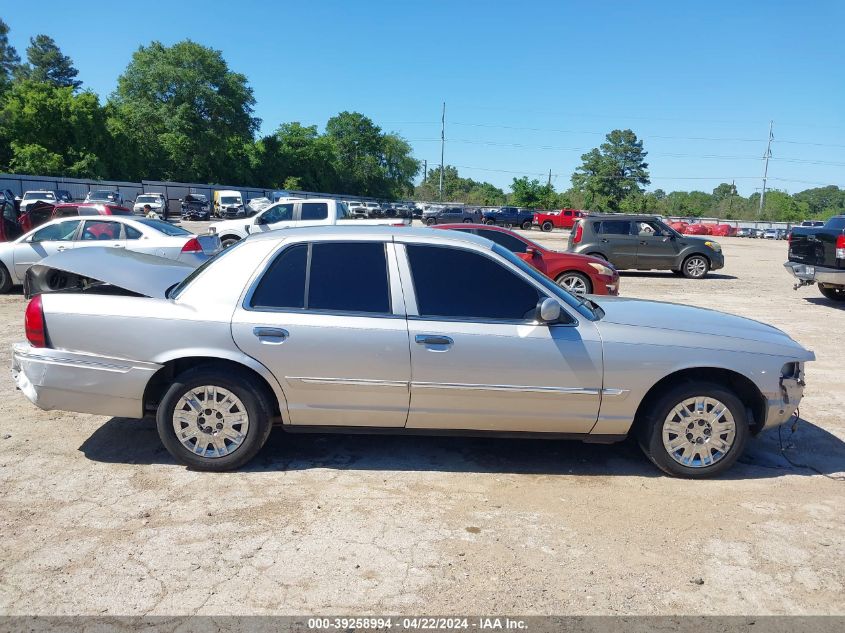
{"x": 45, "y": 195}
{"x": 164, "y": 227}
{"x": 147, "y": 199}
{"x": 100, "y": 195}
{"x": 230, "y": 200}
{"x": 584, "y": 307}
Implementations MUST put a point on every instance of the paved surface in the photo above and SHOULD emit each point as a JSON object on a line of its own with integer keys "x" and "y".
{"x": 96, "y": 518}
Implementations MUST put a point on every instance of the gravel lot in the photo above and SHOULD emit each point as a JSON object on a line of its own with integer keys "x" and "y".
{"x": 97, "y": 519}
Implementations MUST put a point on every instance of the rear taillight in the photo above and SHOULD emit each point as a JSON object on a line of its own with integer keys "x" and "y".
{"x": 192, "y": 246}
{"x": 36, "y": 331}
{"x": 840, "y": 247}
{"x": 579, "y": 233}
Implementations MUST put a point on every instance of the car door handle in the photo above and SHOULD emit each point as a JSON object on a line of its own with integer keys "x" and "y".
{"x": 433, "y": 339}
{"x": 643, "y": 243}
{"x": 605, "y": 240}
{"x": 60, "y": 248}
{"x": 117, "y": 245}
{"x": 271, "y": 334}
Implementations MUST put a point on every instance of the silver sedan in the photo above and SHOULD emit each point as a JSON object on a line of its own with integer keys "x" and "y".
{"x": 404, "y": 330}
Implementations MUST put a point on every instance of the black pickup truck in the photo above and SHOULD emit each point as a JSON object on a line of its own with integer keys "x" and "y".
{"x": 817, "y": 255}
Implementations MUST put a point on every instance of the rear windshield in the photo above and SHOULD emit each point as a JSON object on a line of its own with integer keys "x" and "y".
{"x": 120, "y": 211}
{"x": 101, "y": 195}
{"x": 164, "y": 227}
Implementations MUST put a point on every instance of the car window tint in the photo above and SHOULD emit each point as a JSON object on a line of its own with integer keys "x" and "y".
{"x": 616, "y": 227}
{"x": 61, "y": 232}
{"x": 63, "y": 212}
{"x": 315, "y": 210}
{"x": 131, "y": 232}
{"x": 283, "y": 284}
{"x": 279, "y": 213}
{"x": 513, "y": 244}
{"x": 348, "y": 276}
{"x": 88, "y": 211}
{"x": 476, "y": 287}
{"x": 101, "y": 230}
{"x": 9, "y": 211}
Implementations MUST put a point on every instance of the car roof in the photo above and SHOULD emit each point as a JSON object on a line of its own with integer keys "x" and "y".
{"x": 378, "y": 232}
{"x": 622, "y": 216}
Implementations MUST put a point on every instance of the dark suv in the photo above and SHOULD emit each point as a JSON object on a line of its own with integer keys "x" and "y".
{"x": 510, "y": 216}
{"x": 451, "y": 215}
{"x": 644, "y": 242}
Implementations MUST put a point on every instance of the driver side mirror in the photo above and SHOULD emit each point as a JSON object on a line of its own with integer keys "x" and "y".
{"x": 532, "y": 252}
{"x": 548, "y": 311}
{"x": 261, "y": 220}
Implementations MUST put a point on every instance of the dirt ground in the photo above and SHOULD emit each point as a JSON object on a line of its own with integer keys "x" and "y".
{"x": 95, "y": 518}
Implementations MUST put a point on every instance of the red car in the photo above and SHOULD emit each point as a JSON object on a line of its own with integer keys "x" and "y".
{"x": 563, "y": 219}
{"x": 697, "y": 229}
{"x": 39, "y": 213}
{"x": 723, "y": 230}
{"x": 579, "y": 274}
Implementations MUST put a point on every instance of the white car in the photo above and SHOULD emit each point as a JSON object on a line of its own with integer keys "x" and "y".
{"x": 105, "y": 196}
{"x": 290, "y": 213}
{"x": 31, "y": 197}
{"x": 157, "y": 202}
{"x": 153, "y": 237}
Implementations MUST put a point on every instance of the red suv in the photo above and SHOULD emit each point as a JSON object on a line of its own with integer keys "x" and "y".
{"x": 563, "y": 219}
{"x": 37, "y": 214}
{"x": 579, "y": 274}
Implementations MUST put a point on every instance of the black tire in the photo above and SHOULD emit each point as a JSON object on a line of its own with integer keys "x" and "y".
{"x": 547, "y": 226}
{"x": 834, "y": 294}
{"x": 694, "y": 265}
{"x": 490, "y": 222}
{"x": 5, "y": 279}
{"x": 526, "y": 226}
{"x": 570, "y": 274}
{"x": 258, "y": 408}
{"x": 467, "y": 221}
{"x": 430, "y": 221}
{"x": 229, "y": 240}
{"x": 650, "y": 428}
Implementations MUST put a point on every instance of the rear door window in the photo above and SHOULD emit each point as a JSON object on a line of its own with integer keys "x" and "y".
{"x": 100, "y": 230}
{"x": 616, "y": 227}
{"x": 315, "y": 210}
{"x": 476, "y": 288}
{"x": 283, "y": 285}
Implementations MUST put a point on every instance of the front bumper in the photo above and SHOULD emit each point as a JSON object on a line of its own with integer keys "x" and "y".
{"x": 86, "y": 383}
{"x": 717, "y": 260}
{"x": 810, "y": 274}
{"x": 780, "y": 407}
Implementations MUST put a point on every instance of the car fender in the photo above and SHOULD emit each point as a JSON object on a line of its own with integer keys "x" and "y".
{"x": 230, "y": 355}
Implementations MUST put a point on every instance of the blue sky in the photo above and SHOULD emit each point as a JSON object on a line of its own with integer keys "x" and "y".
{"x": 529, "y": 86}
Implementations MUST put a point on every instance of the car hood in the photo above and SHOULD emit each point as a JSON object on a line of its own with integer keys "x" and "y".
{"x": 81, "y": 269}
{"x": 672, "y": 317}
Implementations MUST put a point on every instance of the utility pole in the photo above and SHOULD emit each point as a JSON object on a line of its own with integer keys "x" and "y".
{"x": 425, "y": 170}
{"x": 766, "y": 157}
{"x": 550, "y": 178}
{"x": 442, "y": 147}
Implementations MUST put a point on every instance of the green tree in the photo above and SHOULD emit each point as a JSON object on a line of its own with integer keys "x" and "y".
{"x": 611, "y": 172}
{"x": 48, "y": 64}
{"x": 823, "y": 201}
{"x": 9, "y": 58}
{"x": 722, "y": 191}
{"x": 533, "y": 194}
{"x": 45, "y": 121}
{"x": 185, "y": 113}
{"x": 457, "y": 189}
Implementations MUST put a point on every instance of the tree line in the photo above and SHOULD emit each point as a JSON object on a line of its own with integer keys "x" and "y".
{"x": 180, "y": 113}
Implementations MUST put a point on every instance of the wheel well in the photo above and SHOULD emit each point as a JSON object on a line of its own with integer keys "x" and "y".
{"x": 164, "y": 377}
{"x": 230, "y": 236}
{"x": 743, "y": 387}
{"x": 688, "y": 255}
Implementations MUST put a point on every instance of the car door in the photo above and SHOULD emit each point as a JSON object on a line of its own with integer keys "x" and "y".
{"x": 47, "y": 240}
{"x": 616, "y": 240}
{"x": 656, "y": 247}
{"x": 279, "y": 216}
{"x": 327, "y": 318}
{"x": 100, "y": 232}
{"x": 479, "y": 359}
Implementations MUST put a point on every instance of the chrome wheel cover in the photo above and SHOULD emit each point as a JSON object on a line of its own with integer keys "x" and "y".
{"x": 210, "y": 421}
{"x": 699, "y": 432}
{"x": 574, "y": 284}
{"x": 696, "y": 267}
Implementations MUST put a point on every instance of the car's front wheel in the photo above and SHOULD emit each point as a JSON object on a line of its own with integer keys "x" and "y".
{"x": 490, "y": 222}
{"x": 695, "y": 267}
{"x": 526, "y": 226}
{"x": 547, "y": 226}
{"x": 575, "y": 282}
{"x": 467, "y": 220}
{"x": 694, "y": 430}
{"x": 213, "y": 419}
{"x": 430, "y": 221}
{"x": 831, "y": 292}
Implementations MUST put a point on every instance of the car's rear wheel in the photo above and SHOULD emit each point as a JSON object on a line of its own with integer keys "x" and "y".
{"x": 575, "y": 282}
{"x": 832, "y": 293}
{"x": 215, "y": 420}
{"x": 695, "y": 267}
{"x": 490, "y": 222}
{"x": 430, "y": 221}
{"x": 526, "y": 226}
{"x": 467, "y": 221}
{"x": 695, "y": 430}
{"x": 229, "y": 240}
{"x": 5, "y": 279}
{"x": 547, "y": 226}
